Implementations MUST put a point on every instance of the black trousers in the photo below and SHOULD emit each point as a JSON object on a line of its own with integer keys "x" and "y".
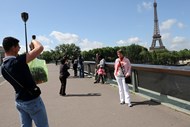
{"x": 63, "y": 85}
{"x": 100, "y": 77}
{"x": 75, "y": 69}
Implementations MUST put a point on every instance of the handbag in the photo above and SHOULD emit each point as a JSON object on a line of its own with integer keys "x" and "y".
{"x": 67, "y": 74}
{"x": 127, "y": 79}
{"x": 39, "y": 71}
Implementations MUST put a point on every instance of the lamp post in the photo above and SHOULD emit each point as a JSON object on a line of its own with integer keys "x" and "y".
{"x": 24, "y": 17}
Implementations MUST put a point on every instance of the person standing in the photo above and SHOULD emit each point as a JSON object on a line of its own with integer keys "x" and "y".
{"x": 81, "y": 67}
{"x": 101, "y": 67}
{"x": 64, "y": 74}
{"x": 97, "y": 61}
{"x": 27, "y": 94}
{"x": 122, "y": 69}
{"x": 101, "y": 75}
{"x": 75, "y": 64}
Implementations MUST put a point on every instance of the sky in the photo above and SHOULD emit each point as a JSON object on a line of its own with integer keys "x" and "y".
{"x": 93, "y": 24}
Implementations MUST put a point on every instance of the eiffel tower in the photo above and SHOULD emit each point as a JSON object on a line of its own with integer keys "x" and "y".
{"x": 156, "y": 35}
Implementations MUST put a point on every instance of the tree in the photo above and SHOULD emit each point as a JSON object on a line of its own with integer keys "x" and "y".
{"x": 47, "y": 56}
{"x": 145, "y": 56}
{"x": 133, "y": 53}
{"x": 184, "y": 54}
{"x": 88, "y": 55}
{"x": 69, "y": 50}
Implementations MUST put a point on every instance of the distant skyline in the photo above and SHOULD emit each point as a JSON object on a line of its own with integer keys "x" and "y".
{"x": 97, "y": 23}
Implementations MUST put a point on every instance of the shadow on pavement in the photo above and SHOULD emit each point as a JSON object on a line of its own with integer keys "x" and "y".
{"x": 148, "y": 102}
{"x": 83, "y": 95}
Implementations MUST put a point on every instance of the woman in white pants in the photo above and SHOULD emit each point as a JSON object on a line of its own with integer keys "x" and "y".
{"x": 122, "y": 70}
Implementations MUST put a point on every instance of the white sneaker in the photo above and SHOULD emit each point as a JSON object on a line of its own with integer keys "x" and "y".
{"x": 130, "y": 105}
{"x": 122, "y": 103}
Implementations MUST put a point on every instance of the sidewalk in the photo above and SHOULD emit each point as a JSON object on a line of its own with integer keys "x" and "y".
{"x": 91, "y": 105}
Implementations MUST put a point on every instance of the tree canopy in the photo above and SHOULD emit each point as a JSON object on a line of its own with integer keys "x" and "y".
{"x": 135, "y": 53}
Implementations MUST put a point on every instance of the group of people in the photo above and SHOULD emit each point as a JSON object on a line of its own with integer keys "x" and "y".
{"x": 122, "y": 70}
{"x": 78, "y": 66}
{"x": 27, "y": 94}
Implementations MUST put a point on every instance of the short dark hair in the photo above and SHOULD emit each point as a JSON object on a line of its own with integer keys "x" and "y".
{"x": 101, "y": 56}
{"x": 63, "y": 60}
{"x": 9, "y": 42}
{"x": 120, "y": 51}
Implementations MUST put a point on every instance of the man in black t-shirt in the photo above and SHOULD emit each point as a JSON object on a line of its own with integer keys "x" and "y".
{"x": 27, "y": 94}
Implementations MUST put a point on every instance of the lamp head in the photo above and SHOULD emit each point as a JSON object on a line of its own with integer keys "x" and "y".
{"x": 24, "y": 16}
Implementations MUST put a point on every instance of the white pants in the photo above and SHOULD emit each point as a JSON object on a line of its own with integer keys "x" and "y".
{"x": 123, "y": 90}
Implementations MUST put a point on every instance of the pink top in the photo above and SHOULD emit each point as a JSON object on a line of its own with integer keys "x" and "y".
{"x": 126, "y": 65}
{"x": 101, "y": 71}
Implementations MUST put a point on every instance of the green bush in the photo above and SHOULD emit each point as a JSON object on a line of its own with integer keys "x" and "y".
{"x": 39, "y": 75}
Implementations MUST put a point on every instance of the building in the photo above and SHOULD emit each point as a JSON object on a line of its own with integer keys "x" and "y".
{"x": 156, "y": 35}
{"x": 2, "y": 54}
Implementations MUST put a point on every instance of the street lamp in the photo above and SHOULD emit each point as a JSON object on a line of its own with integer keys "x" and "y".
{"x": 24, "y": 17}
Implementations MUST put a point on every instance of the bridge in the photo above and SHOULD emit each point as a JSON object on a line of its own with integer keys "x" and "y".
{"x": 91, "y": 105}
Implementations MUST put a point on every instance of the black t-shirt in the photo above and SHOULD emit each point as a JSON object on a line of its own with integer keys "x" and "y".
{"x": 19, "y": 70}
{"x": 63, "y": 70}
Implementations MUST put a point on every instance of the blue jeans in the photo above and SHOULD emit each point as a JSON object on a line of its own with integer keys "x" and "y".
{"x": 81, "y": 72}
{"x": 32, "y": 110}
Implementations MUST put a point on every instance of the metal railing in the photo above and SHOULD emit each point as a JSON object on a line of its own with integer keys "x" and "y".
{"x": 165, "y": 81}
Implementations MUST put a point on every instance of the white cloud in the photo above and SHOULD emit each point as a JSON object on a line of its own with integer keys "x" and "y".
{"x": 55, "y": 38}
{"x": 121, "y": 42}
{"x": 47, "y": 48}
{"x": 144, "y": 6}
{"x": 147, "y": 5}
{"x": 173, "y": 42}
{"x": 44, "y": 39}
{"x": 166, "y": 36}
{"x": 166, "y": 25}
{"x": 180, "y": 43}
{"x": 132, "y": 40}
{"x": 65, "y": 38}
{"x": 178, "y": 40}
{"x": 86, "y": 45}
{"x": 68, "y": 38}
{"x": 23, "y": 48}
{"x": 46, "y": 42}
{"x": 180, "y": 25}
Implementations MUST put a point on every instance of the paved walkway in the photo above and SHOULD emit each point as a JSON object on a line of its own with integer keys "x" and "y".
{"x": 89, "y": 105}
